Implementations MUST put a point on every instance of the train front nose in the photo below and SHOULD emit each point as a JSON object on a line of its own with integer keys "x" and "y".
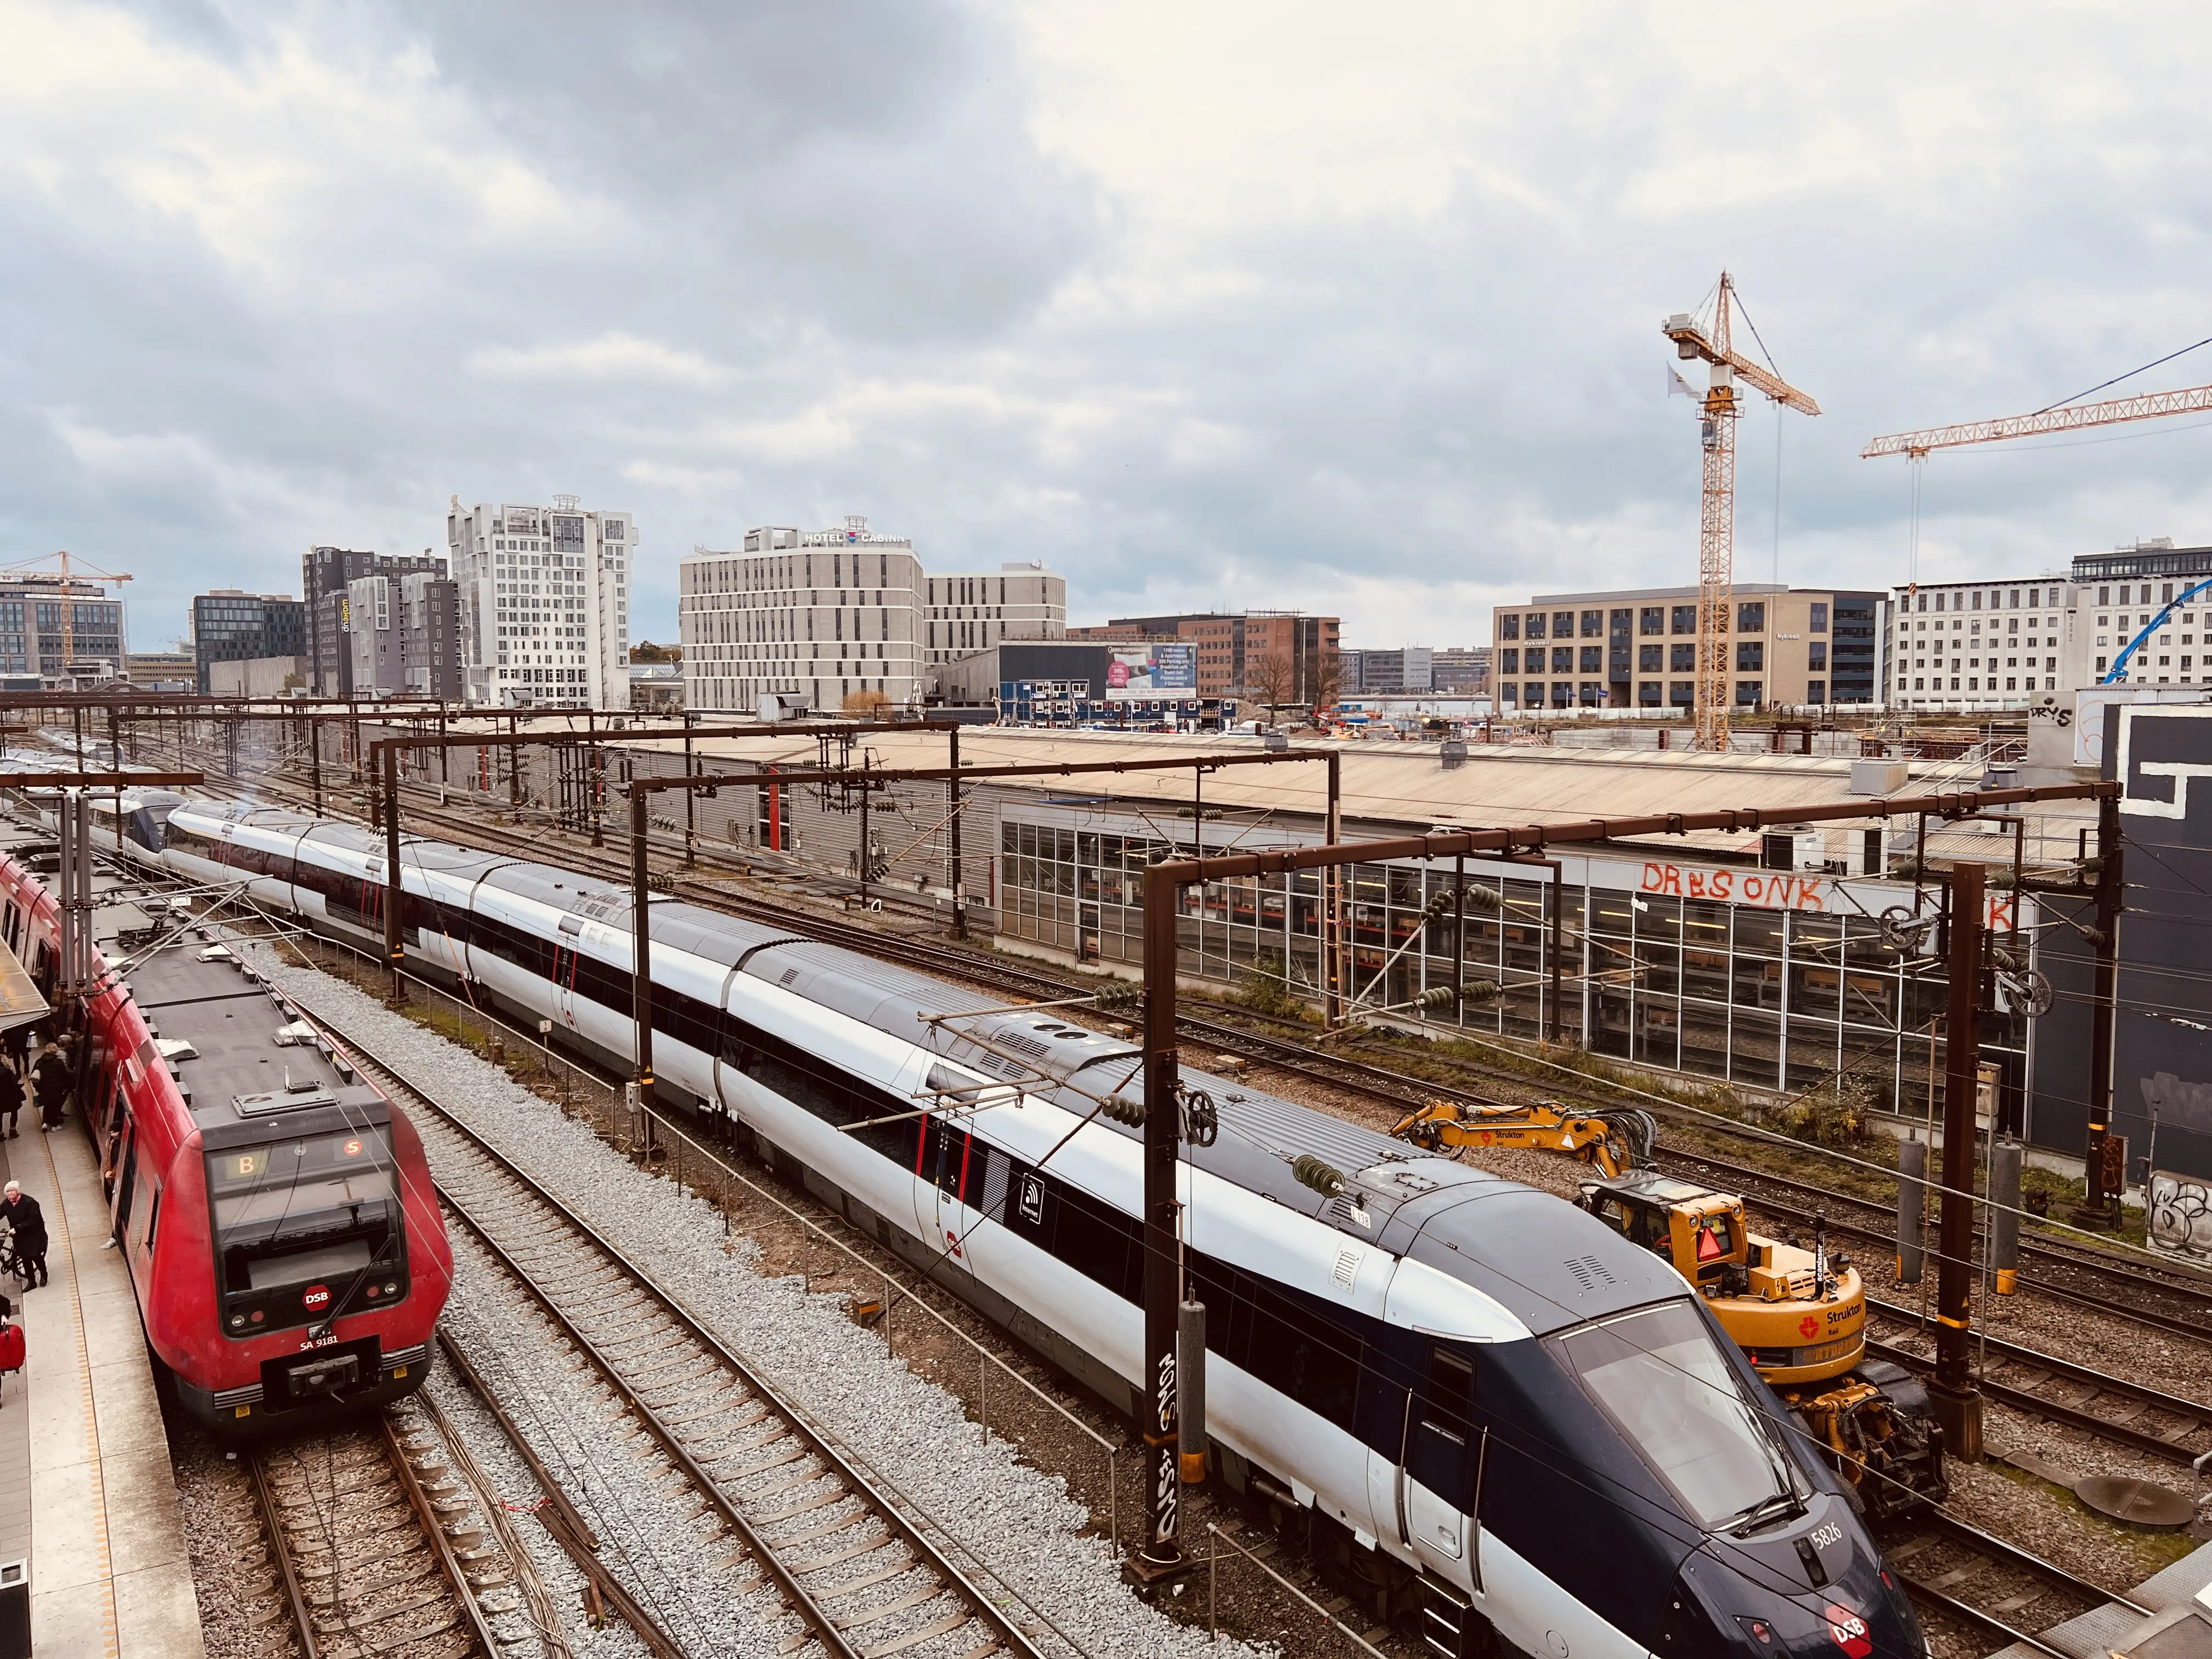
{"x": 1747, "y": 1606}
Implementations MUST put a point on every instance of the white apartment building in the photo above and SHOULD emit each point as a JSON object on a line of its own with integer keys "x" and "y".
{"x": 1977, "y": 648}
{"x": 1980, "y": 646}
{"x": 828, "y": 614}
{"x": 544, "y": 602}
{"x": 965, "y": 613}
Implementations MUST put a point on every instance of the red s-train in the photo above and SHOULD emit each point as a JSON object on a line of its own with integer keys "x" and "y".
{"x": 274, "y": 1210}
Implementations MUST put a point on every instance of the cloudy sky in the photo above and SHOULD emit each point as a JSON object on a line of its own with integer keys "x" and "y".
{"x": 1349, "y": 308}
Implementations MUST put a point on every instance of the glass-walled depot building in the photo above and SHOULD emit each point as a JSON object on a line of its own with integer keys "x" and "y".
{"x": 1770, "y": 980}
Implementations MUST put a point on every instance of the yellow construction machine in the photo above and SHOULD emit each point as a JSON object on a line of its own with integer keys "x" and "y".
{"x": 1799, "y": 1314}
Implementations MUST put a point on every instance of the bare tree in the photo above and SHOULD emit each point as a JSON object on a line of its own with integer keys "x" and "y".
{"x": 1272, "y": 680}
{"x": 1325, "y": 683}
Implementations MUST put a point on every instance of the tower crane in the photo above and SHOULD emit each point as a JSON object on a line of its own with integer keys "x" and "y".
{"x": 1693, "y": 338}
{"x": 82, "y": 571}
{"x": 2070, "y": 417}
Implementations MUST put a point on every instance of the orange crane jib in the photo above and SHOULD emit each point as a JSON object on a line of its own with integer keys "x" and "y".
{"x": 2113, "y": 411}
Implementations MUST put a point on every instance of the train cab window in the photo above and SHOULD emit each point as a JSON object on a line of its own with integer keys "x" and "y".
{"x": 289, "y": 1214}
{"x": 1658, "y": 1374}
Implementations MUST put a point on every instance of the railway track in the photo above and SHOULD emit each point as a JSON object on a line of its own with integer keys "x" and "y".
{"x": 1991, "y": 1586}
{"x": 2163, "y": 1425}
{"x": 864, "y": 1578}
{"x": 2043, "y": 1384}
{"x": 368, "y": 1556}
{"x": 1996, "y": 1591}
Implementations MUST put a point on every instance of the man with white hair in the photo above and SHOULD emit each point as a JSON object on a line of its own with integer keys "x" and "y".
{"x": 22, "y": 1213}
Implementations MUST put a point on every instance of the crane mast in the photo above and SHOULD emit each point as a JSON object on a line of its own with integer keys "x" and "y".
{"x": 1720, "y": 410}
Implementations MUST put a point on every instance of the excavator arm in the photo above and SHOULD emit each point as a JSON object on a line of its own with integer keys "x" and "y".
{"x": 1610, "y": 1142}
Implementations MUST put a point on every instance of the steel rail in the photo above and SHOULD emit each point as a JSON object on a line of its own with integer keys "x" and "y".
{"x": 984, "y": 1606}
{"x": 446, "y": 1567}
{"x": 794, "y": 1594}
{"x": 295, "y": 1597}
{"x": 1994, "y": 1548}
{"x": 441, "y": 1545}
{"x": 2171, "y": 1449}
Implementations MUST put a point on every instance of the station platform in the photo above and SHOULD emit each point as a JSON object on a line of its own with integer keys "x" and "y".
{"x": 87, "y": 1494}
{"x": 2179, "y": 1598}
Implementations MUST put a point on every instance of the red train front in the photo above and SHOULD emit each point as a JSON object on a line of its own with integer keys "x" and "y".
{"x": 275, "y": 1210}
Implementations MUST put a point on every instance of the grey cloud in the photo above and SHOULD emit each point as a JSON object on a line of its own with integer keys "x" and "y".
{"x": 840, "y": 213}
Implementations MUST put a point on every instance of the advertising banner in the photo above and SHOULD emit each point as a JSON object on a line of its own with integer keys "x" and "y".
{"x": 1152, "y": 671}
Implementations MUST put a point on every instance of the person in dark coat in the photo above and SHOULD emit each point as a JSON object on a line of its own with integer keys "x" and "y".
{"x": 11, "y": 1101}
{"x": 22, "y": 1212}
{"x": 16, "y": 1041}
{"x": 50, "y": 1084}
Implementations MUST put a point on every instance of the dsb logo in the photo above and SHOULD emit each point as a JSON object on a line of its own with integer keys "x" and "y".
{"x": 316, "y": 1296}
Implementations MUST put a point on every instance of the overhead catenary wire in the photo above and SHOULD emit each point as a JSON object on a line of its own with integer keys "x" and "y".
{"x": 1564, "y": 1451}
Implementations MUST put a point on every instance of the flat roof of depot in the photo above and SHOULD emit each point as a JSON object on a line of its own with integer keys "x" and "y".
{"x": 1396, "y": 784}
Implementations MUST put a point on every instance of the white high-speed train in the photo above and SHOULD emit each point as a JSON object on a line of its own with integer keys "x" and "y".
{"x": 1483, "y": 1398}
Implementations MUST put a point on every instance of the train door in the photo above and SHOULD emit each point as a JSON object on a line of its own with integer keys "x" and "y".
{"x": 953, "y": 1161}
{"x": 1439, "y": 1463}
{"x": 129, "y": 1166}
{"x": 564, "y": 987}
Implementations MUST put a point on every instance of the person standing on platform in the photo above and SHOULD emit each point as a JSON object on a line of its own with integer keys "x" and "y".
{"x": 50, "y": 1084}
{"x": 11, "y": 1102}
{"x": 22, "y": 1213}
{"x": 16, "y": 1042}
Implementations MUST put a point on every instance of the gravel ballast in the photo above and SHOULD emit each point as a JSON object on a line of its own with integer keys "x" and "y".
{"x": 913, "y": 1435}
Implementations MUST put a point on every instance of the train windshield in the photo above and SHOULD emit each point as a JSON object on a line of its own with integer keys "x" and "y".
{"x": 292, "y": 1212}
{"x": 1658, "y": 1375}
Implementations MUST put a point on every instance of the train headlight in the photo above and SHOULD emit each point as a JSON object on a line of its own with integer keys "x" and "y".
{"x": 374, "y": 1290}
{"x": 392, "y": 1287}
{"x": 259, "y": 1316}
{"x": 236, "y": 1320}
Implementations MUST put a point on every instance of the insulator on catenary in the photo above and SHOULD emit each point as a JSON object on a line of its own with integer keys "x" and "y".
{"x": 1443, "y": 996}
{"x": 1911, "y": 1209}
{"x": 1122, "y": 1109}
{"x": 1311, "y": 1171}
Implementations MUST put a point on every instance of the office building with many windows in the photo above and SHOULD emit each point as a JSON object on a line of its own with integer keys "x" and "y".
{"x": 231, "y": 625}
{"x": 325, "y": 575}
{"x": 1786, "y": 646}
{"x": 544, "y": 602}
{"x": 404, "y": 637}
{"x": 825, "y": 616}
{"x": 1985, "y": 646}
{"x": 51, "y": 627}
{"x": 2030, "y": 641}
